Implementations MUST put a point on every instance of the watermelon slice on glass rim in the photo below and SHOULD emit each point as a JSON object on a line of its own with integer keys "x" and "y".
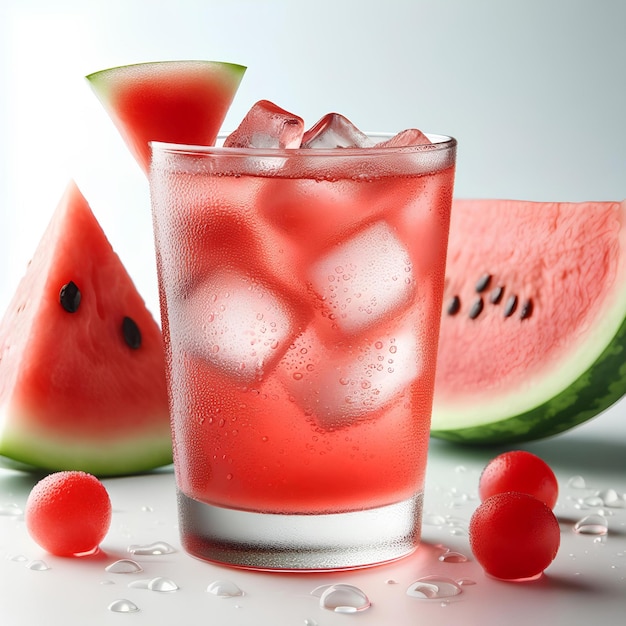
{"x": 171, "y": 101}
{"x": 533, "y": 333}
{"x": 82, "y": 371}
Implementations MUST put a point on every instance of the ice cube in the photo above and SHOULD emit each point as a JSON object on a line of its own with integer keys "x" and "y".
{"x": 266, "y": 125}
{"x": 234, "y": 323}
{"x": 365, "y": 279}
{"x": 405, "y": 138}
{"x": 338, "y": 387}
{"x": 335, "y": 131}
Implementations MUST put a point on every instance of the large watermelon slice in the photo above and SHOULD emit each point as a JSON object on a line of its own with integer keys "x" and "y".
{"x": 172, "y": 101}
{"x": 533, "y": 335}
{"x": 82, "y": 373}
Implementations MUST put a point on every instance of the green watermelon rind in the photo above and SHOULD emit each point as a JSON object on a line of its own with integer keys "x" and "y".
{"x": 99, "y": 78}
{"x": 598, "y": 388}
{"x": 114, "y": 457}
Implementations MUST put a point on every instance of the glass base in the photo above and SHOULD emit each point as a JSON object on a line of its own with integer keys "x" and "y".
{"x": 268, "y": 541}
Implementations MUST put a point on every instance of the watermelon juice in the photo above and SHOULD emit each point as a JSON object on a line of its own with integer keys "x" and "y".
{"x": 301, "y": 296}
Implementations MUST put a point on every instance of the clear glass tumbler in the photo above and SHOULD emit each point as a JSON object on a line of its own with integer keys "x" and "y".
{"x": 300, "y": 302}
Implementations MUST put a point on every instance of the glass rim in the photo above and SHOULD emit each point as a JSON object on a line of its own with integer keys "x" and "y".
{"x": 439, "y": 142}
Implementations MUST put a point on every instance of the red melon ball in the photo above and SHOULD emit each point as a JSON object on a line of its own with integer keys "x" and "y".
{"x": 68, "y": 513}
{"x": 522, "y": 471}
{"x": 514, "y": 536}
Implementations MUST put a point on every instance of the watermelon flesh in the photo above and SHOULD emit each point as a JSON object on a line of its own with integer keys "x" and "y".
{"x": 533, "y": 333}
{"x": 82, "y": 375}
{"x": 171, "y": 101}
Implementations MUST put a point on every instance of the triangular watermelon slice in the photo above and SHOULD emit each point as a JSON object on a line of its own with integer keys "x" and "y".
{"x": 533, "y": 333}
{"x": 172, "y": 101}
{"x": 82, "y": 372}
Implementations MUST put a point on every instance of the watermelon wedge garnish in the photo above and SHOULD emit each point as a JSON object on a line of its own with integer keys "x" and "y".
{"x": 533, "y": 333}
{"x": 172, "y": 101}
{"x": 82, "y": 371}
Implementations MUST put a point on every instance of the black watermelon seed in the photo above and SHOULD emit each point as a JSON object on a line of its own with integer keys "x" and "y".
{"x": 476, "y": 309}
{"x": 510, "y": 306}
{"x": 483, "y": 283}
{"x": 496, "y": 295}
{"x": 526, "y": 310}
{"x": 132, "y": 334}
{"x": 455, "y": 305}
{"x": 69, "y": 297}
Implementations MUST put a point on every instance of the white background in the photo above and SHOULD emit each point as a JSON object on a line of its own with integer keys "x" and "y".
{"x": 534, "y": 91}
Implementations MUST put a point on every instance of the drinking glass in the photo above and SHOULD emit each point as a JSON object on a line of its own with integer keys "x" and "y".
{"x": 300, "y": 299}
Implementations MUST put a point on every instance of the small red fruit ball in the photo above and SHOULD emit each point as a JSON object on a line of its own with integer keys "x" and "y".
{"x": 521, "y": 471}
{"x": 514, "y": 536}
{"x": 68, "y": 513}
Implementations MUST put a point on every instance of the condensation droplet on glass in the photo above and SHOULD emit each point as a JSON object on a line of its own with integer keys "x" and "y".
{"x": 452, "y": 557}
{"x": 38, "y": 566}
{"x": 157, "y": 548}
{"x": 123, "y": 606}
{"x": 434, "y": 587}
{"x": 224, "y": 589}
{"x": 342, "y": 598}
{"x": 124, "y": 566}
{"x": 577, "y": 482}
{"x": 592, "y": 525}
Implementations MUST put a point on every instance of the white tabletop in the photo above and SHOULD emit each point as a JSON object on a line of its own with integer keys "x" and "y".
{"x": 585, "y": 584}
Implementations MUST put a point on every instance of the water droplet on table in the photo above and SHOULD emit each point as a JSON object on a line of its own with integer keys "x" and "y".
{"x": 452, "y": 557}
{"x": 592, "y": 525}
{"x": 124, "y": 566}
{"x": 465, "y": 582}
{"x": 38, "y": 566}
{"x": 224, "y": 589}
{"x": 152, "y": 549}
{"x": 591, "y": 501}
{"x": 10, "y": 510}
{"x": 342, "y": 598}
{"x": 434, "y": 587}
{"x": 123, "y": 606}
{"x": 576, "y": 482}
{"x": 433, "y": 519}
{"x": 612, "y": 499}
{"x": 163, "y": 585}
